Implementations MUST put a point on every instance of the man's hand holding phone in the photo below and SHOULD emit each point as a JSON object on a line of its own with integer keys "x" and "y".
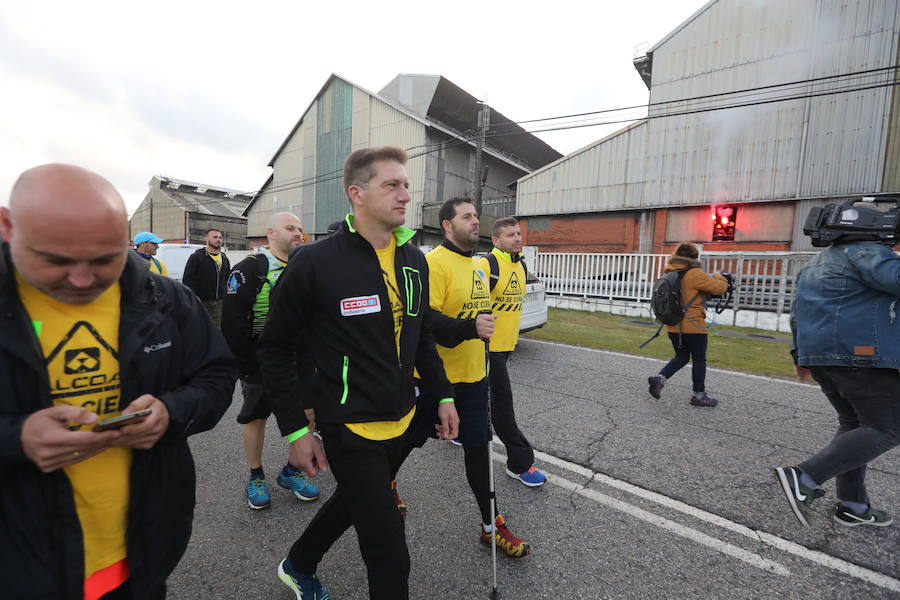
{"x": 144, "y": 433}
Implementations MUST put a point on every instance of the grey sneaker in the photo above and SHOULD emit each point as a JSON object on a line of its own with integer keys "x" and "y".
{"x": 846, "y": 517}
{"x": 703, "y": 400}
{"x": 656, "y": 386}
{"x": 798, "y": 495}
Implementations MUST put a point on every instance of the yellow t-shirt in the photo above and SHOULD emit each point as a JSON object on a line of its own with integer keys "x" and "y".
{"x": 158, "y": 266}
{"x": 506, "y": 301}
{"x": 217, "y": 258}
{"x": 386, "y": 430}
{"x": 458, "y": 288}
{"x": 79, "y": 343}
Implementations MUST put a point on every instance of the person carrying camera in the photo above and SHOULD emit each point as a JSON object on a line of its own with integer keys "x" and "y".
{"x": 847, "y": 336}
{"x": 689, "y": 338}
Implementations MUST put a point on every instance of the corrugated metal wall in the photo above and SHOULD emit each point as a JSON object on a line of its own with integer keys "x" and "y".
{"x": 605, "y": 176}
{"x": 892, "y": 156}
{"x": 830, "y": 145}
{"x": 293, "y": 186}
{"x": 390, "y": 127}
{"x": 333, "y": 141}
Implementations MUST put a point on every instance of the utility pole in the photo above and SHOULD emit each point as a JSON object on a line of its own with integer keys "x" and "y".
{"x": 484, "y": 119}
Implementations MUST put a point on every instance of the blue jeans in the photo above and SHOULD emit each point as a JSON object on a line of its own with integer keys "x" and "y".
{"x": 867, "y": 402}
{"x": 693, "y": 347}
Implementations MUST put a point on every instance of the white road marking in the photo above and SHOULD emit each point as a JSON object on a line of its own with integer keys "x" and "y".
{"x": 820, "y": 558}
{"x": 662, "y": 360}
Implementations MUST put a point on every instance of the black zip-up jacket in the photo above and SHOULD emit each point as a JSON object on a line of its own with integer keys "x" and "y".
{"x": 334, "y": 289}
{"x": 168, "y": 347}
{"x": 200, "y": 275}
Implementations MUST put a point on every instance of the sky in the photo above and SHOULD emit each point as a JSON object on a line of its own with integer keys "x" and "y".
{"x": 208, "y": 91}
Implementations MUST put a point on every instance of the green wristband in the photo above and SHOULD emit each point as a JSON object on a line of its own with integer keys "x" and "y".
{"x": 293, "y": 437}
{"x": 445, "y": 400}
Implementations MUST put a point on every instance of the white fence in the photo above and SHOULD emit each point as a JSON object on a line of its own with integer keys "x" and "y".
{"x": 764, "y": 281}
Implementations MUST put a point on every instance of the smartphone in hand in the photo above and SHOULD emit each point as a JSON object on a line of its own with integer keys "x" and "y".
{"x": 122, "y": 420}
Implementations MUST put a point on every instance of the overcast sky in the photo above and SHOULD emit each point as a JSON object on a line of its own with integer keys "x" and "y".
{"x": 207, "y": 92}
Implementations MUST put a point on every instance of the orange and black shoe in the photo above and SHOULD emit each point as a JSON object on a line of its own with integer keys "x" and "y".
{"x": 506, "y": 541}
{"x": 401, "y": 506}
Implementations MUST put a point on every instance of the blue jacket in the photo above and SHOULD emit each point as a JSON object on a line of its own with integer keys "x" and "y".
{"x": 844, "y": 312}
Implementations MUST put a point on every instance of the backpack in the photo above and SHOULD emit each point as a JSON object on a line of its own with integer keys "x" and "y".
{"x": 263, "y": 273}
{"x": 495, "y": 269}
{"x": 665, "y": 301}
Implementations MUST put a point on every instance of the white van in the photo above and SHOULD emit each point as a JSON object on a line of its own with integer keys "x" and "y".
{"x": 175, "y": 256}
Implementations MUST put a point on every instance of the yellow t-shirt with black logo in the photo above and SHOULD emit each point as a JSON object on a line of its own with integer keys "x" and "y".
{"x": 217, "y": 258}
{"x": 79, "y": 343}
{"x": 386, "y": 430}
{"x": 458, "y": 288}
{"x": 506, "y": 301}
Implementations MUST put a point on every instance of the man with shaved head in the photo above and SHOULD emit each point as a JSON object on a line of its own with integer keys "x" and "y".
{"x": 88, "y": 334}
{"x": 244, "y": 313}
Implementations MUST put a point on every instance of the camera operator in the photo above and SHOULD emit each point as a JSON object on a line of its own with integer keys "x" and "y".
{"x": 847, "y": 336}
{"x": 689, "y": 338}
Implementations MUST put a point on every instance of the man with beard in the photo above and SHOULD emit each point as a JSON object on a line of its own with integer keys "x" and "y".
{"x": 507, "y": 286}
{"x": 206, "y": 272}
{"x": 459, "y": 292}
{"x": 244, "y": 312}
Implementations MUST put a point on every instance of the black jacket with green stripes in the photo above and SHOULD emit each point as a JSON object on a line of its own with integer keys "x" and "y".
{"x": 334, "y": 291}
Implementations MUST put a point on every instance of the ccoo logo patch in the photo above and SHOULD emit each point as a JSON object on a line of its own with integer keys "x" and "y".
{"x": 360, "y": 305}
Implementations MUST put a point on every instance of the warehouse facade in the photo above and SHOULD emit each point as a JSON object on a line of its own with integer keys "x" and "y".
{"x": 428, "y": 116}
{"x": 757, "y": 112}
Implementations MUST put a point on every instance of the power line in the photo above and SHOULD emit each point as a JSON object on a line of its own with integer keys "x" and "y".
{"x": 786, "y": 87}
{"x": 799, "y": 82}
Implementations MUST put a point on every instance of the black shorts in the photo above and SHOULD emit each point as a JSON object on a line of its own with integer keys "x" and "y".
{"x": 471, "y": 405}
{"x": 255, "y": 405}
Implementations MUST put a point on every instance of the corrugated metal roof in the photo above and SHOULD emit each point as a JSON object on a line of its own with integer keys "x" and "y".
{"x": 202, "y": 198}
{"x": 424, "y": 120}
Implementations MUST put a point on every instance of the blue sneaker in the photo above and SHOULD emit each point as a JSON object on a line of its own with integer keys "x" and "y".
{"x": 258, "y": 494}
{"x": 299, "y": 484}
{"x": 532, "y": 477}
{"x": 306, "y": 587}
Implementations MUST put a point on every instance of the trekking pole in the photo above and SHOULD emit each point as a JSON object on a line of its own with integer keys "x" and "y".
{"x": 494, "y": 595}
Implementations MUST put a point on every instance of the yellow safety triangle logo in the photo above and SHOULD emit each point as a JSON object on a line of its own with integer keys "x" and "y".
{"x": 479, "y": 290}
{"x": 513, "y": 288}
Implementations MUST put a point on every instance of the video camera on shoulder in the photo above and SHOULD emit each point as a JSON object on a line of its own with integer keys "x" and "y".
{"x": 856, "y": 220}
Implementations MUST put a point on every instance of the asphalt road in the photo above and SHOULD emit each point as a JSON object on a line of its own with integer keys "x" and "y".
{"x": 646, "y": 499}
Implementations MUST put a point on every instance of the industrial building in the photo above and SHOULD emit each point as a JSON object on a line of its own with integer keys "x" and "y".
{"x": 428, "y": 116}
{"x": 182, "y": 211}
{"x": 757, "y": 111}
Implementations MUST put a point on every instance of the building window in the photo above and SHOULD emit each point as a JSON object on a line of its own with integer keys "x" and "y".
{"x": 724, "y": 220}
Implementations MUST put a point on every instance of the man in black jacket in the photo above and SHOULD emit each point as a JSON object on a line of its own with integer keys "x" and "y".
{"x": 206, "y": 273}
{"x": 361, "y": 296}
{"x": 88, "y": 333}
{"x": 244, "y": 312}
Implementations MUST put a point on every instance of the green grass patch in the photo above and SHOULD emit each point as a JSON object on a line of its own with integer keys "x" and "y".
{"x": 614, "y": 332}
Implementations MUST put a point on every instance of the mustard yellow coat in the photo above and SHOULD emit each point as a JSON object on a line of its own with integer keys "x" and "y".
{"x": 696, "y": 279}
